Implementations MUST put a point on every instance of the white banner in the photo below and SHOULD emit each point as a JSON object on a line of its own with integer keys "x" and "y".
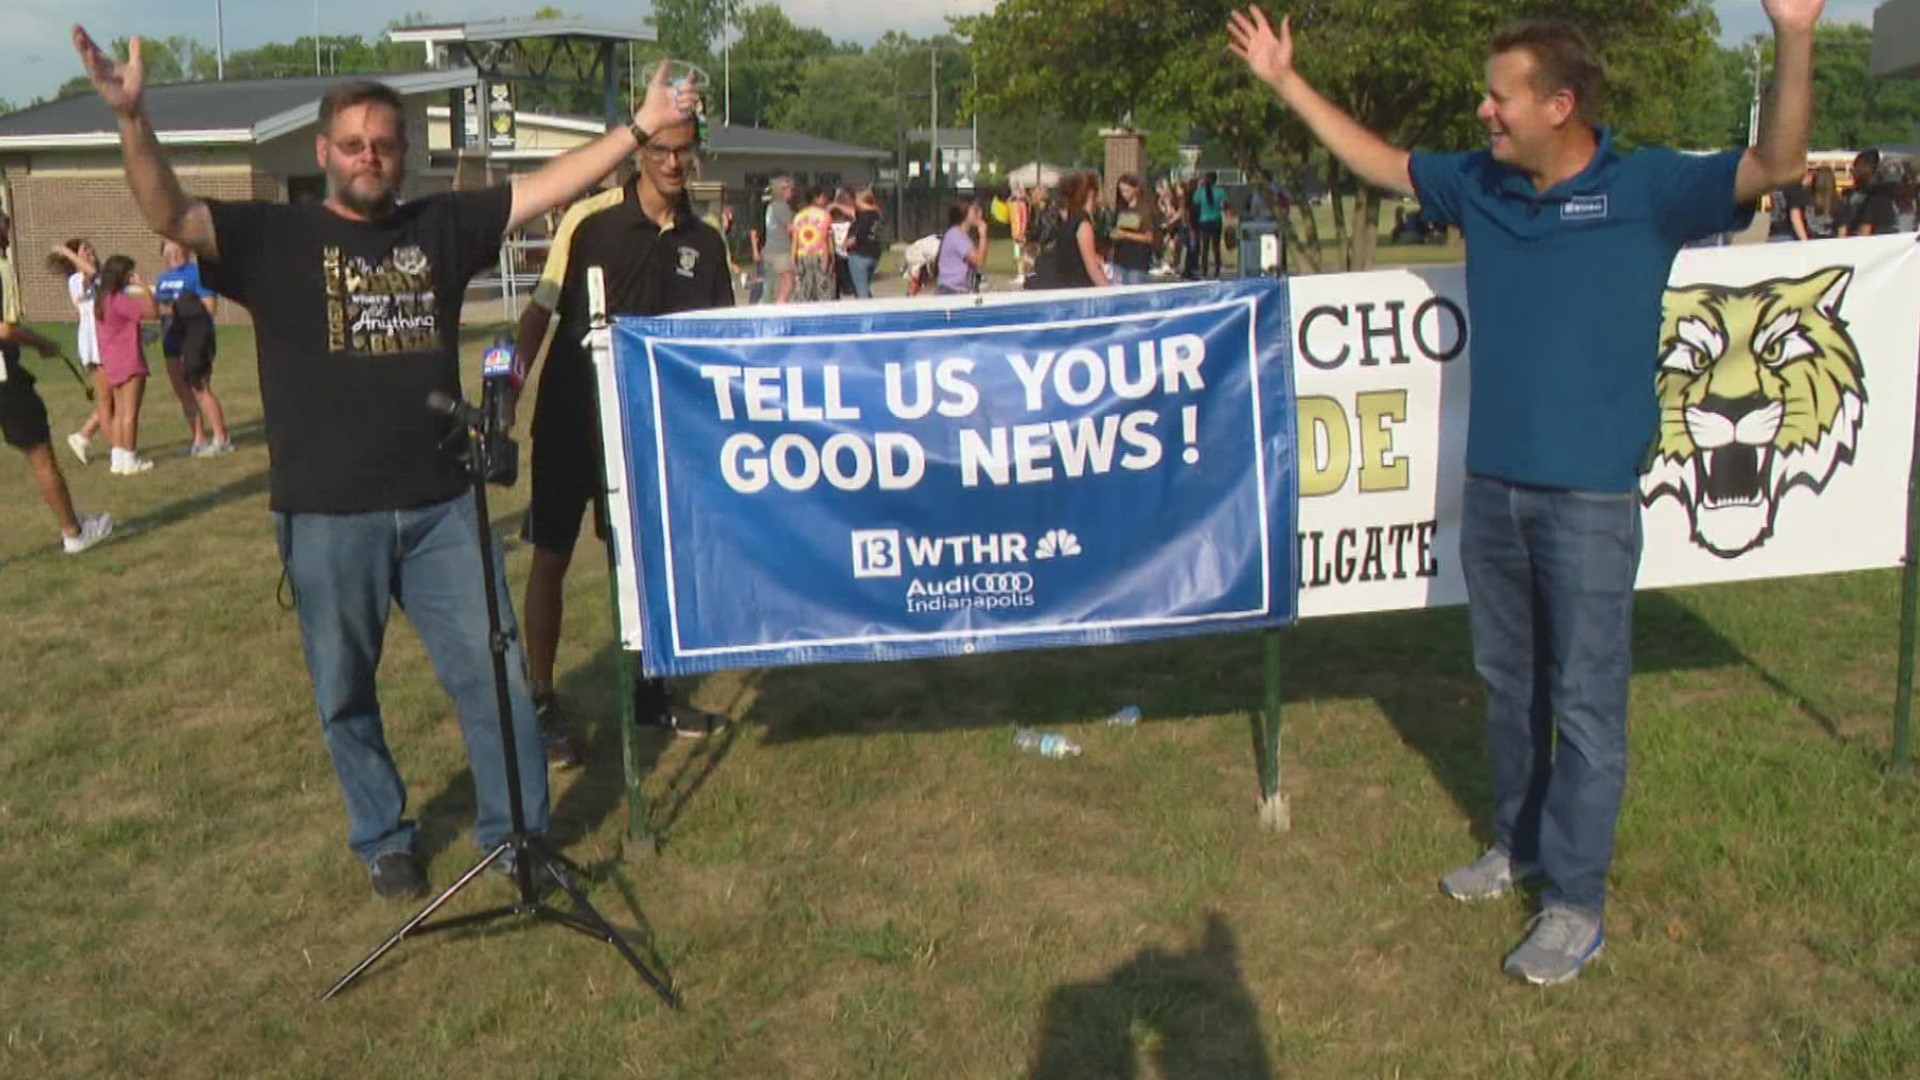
{"x": 1786, "y": 375}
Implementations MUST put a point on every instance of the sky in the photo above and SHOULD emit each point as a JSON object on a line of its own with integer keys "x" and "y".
{"x": 35, "y": 57}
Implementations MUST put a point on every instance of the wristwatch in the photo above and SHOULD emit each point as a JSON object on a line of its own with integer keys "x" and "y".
{"x": 640, "y": 136}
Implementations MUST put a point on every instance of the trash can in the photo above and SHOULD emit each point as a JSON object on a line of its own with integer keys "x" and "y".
{"x": 1262, "y": 249}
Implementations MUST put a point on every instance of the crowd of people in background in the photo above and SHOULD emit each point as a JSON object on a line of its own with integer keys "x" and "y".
{"x": 818, "y": 244}
{"x": 1879, "y": 198}
{"x": 117, "y": 312}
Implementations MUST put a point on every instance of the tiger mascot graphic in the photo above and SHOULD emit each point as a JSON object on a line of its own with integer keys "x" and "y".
{"x": 1761, "y": 391}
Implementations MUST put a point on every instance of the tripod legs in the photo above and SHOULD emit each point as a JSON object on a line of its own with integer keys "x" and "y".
{"x": 526, "y": 853}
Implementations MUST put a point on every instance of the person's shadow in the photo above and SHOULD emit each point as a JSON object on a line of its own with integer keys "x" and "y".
{"x": 1187, "y": 1013}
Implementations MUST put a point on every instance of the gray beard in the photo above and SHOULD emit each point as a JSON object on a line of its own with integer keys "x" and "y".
{"x": 374, "y": 208}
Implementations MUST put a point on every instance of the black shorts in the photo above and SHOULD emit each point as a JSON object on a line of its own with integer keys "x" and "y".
{"x": 191, "y": 342}
{"x": 566, "y": 480}
{"x": 23, "y": 416}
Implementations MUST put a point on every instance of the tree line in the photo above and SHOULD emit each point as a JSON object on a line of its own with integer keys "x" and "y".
{"x": 1040, "y": 78}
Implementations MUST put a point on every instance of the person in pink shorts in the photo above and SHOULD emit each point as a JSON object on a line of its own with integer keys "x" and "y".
{"x": 121, "y": 302}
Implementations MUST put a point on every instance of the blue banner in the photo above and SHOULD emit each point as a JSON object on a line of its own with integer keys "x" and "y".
{"x": 875, "y": 482}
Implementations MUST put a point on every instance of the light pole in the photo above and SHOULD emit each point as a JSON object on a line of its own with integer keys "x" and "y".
{"x": 219, "y": 43}
{"x": 316, "y": 37}
{"x": 934, "y": 124}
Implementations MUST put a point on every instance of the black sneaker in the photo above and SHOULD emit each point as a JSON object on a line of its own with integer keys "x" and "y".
{"x": 561, "y": 752}
{"x": 396, "y": 875}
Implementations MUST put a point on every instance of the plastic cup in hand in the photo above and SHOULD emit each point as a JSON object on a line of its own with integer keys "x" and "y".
{"x": 684, "y": 76}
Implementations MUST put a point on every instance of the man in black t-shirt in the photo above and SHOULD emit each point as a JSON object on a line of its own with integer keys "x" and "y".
{"x": 23, "y": 416}
{"x": 657, "y": 258}
{"x": 356, "y": 309}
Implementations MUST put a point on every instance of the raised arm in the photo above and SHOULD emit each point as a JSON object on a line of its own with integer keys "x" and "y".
{"x": 141, "y": 293}
{"x": 1779, "y": 155}
{"x": 571, "y": 173}
{"x": 1270, "y": 57}
{"x": 168, "y": 209}
{"x": 77, "y": 258}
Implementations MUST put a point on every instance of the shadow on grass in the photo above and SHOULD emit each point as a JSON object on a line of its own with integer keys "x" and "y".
{"x": 194, "y": 505}
{"x": 171, "y": 514}
{"x": 251, "y": 431}
{"x": 1188, "y": 1012}
{"x": 1416, "y": 666}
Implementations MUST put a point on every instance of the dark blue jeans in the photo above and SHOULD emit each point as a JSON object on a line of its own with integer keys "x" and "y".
{"x": 1550, "y": 599}
{"x": 860, "y": 269}
{"x": 347, "y": 570}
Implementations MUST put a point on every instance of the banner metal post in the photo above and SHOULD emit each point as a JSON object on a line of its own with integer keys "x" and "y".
{"x": 1274, "y": 813}
{"x": 637, "y": 831}
{"x": 1902, "y": 765}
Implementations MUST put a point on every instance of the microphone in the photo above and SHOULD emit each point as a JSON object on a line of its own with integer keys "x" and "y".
{"x": 448, "y": 405}
{"x": 501, "y": 362}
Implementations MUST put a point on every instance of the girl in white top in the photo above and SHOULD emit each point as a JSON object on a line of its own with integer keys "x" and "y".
{"x": 77, "y": 262}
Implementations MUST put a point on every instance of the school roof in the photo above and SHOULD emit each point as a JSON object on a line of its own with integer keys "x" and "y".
{"x": 517, "y": 30}
{"x": 722, "y": 140}
{"x": 238, "y": 111}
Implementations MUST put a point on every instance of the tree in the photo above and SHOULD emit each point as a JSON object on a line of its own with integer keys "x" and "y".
{"x": 843, "y": 96}
{"x": 686, "y": 28}
{"x": 1852, "y": 109}
{"x": 1408, "y": 69}
{"x": 1713, "y": 99}
{"x": 769, "y": 60}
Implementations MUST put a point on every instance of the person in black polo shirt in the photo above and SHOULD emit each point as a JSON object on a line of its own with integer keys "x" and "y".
{"x": 657, "y": 258}
{"x": 356, "y": 305}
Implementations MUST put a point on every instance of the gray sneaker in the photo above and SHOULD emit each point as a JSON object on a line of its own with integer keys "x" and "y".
{"x": 92, "y": 530}
{"x": 1493, "y": 874}
{"x": 1559, "y": 942}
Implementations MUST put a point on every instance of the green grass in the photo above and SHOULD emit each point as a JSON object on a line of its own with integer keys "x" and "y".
{"x": 864, "y": 879}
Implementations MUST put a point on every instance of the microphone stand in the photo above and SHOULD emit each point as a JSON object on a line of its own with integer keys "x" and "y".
{"x": 525, "y": 851}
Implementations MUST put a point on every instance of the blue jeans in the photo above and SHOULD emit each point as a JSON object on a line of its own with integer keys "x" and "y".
{"x": 1124, "y": 276}
{"x": 346, "y": 571}
{"x": 1550, "y": 600}
{"x": 860, "y": 269}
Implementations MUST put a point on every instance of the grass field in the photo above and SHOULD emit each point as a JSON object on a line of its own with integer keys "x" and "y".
{"x": 864, "y": 879}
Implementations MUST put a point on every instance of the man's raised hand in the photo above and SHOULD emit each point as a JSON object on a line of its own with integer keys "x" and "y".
{"x": 1793, "y": 14}
{"x": 666, "y": 104}
{"x": 1268, "y": 55}
{"x": 121, "y": 86}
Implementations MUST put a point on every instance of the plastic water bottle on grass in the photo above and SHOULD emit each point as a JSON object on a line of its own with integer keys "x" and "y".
{"x": 1047, "y": 744}
{"x": 1127, "y": 716}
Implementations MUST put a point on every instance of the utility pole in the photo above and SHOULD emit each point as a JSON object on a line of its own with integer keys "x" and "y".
{"x": 1753, "y": 114}
{"x": 316, "y": 37}
{"x": 934, "y": 100}
{"x": 219, "y": 44}
{"x": 726, "y": 54}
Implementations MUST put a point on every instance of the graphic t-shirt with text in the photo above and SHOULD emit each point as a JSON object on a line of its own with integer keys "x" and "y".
{"x": 356, "y": 323}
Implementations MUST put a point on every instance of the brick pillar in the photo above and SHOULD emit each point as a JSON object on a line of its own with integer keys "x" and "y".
{"x": 1126, "y": 153}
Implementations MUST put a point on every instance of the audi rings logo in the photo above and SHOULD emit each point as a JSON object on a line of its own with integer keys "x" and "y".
{"x": 1002, "y": 583}
{"x": 986, "y": 589}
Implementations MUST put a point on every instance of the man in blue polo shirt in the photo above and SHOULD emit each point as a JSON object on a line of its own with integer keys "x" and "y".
{"x": 1569, "y": 246}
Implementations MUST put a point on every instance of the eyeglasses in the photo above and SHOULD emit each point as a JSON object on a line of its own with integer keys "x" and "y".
{"x": 686, "y": 155}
